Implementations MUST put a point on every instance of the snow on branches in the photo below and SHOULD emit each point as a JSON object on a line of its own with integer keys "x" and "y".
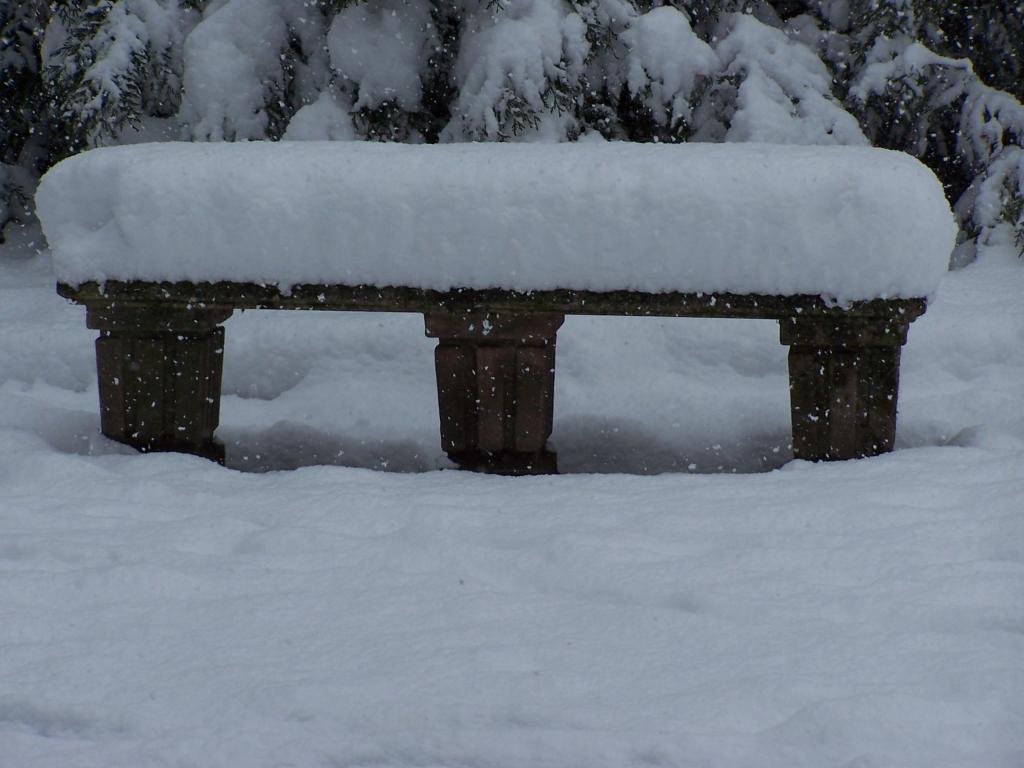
{"x": 108, "y": 64}
{"x": 771, "y": 88}
{"x": 248, "y": 64}
{"x": 518, "y": 71}
{"x": 891, "y": 73}
{"x": 935, "y": 107}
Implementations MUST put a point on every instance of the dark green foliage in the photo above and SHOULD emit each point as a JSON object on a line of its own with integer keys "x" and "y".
{"x": 21, "y": 28}
{"x": 438, "y": 83}
{"x": 22, "y": 104}
{"x": 280, "y": 103}
{"x": 988, "y": 32}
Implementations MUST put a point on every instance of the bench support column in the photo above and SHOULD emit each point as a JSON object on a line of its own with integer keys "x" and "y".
{"x": 843, "y": 385}
{"x": 495, "y": 388}
{"x": 159, "y": 372}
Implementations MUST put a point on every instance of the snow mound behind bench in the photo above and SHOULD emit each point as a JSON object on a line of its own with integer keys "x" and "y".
{"x": 849, "y": 223}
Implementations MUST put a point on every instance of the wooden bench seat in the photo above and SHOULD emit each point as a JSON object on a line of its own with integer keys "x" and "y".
{"x": 160, "y": 352}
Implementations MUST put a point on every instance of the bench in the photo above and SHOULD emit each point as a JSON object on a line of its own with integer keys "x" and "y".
{"x": 160, "y": 352}
{"x": 161, "y": 341}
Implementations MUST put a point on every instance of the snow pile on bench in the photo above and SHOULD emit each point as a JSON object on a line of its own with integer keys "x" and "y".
{"x": 844, "y": 222}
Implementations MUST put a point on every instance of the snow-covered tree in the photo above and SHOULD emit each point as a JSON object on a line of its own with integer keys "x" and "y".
{"x": 249, "y": 65}
{"x": 110, "y": 63}
{"x": 941, "y": 80}
{"x": 771, "y": 87}
{"x": 912, "y": 98}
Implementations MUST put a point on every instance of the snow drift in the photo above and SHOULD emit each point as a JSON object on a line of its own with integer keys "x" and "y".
{"x": 844, "y": 222}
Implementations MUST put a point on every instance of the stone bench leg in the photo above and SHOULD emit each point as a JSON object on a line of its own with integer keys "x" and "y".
{"x": 843, "y": 384}
{"x": 495, "y": 389}
{"x": 159, "y": 376}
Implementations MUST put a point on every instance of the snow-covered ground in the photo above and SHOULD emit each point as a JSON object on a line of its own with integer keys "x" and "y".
{"x": 711, "y": 603}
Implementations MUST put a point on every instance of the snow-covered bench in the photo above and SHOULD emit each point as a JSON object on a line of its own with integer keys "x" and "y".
{"x": 495, "y": 244}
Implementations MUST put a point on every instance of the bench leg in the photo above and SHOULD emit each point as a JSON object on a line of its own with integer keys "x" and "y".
{"x": 495, "y": 389}
{"x": 843, "y": 384}
{"x": 159, "y": 377}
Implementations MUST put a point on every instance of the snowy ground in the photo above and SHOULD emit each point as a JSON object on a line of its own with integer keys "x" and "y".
{"x": 710, "y": 604}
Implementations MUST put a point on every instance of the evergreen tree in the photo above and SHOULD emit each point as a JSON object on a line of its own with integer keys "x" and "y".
{"x": 771, "y": 87}
{"x": 110, "y": 63}
{"x": 911, "y": 98}
{"x": 941, "y": 81}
